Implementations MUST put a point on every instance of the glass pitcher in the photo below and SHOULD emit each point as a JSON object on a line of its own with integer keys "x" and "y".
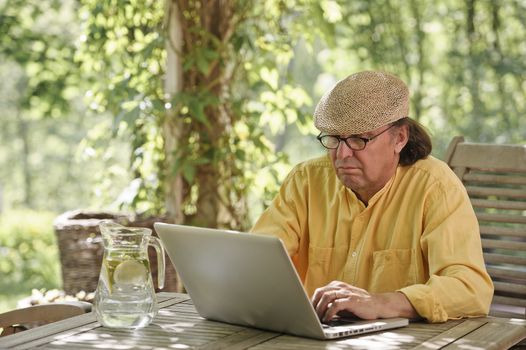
{"x": 125, "y": 296}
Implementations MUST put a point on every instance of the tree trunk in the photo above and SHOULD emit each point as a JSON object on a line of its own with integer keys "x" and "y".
{"x": 198, "y": 28}
{"x": 172, "y": 127}
{"x": 474, "y": 70}
{"x": 421, "y": 66}
{"x": 26, "y": 168}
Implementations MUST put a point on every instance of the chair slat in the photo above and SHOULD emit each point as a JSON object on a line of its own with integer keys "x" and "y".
{"x": 509, "y": 300}
{"x": 496, "y": 191}
{"x": 495, "y": 179}
{"x": 516, "y": 313}
{"x": 508, "y": 218}
{"x": 510, "y": 287}
{"x": 501, "y": 272}
{"x": 36, "y": 315}
{"x": 503, "y": 259}
{"x": 489, "y": 203}
{"x": 502, "y": 244}
{"x": 503, "y": 158}
{"x": 503, "y": 231}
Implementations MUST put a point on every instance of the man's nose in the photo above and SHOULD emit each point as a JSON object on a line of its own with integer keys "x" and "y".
{"x": 343, "y": 151}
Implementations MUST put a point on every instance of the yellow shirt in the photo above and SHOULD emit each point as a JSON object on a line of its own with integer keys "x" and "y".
{"x": 418, "y": 235}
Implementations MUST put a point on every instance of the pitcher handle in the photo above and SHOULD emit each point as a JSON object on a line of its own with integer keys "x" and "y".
{"x": 159, "y": 248}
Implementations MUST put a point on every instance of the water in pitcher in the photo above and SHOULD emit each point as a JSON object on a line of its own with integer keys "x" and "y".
{"x": 125, "y": 297}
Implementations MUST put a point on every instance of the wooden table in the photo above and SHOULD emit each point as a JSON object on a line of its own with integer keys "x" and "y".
{"x": 178, "y": 326}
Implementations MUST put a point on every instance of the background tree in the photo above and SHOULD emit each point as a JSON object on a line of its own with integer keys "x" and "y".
{"x": 463, "y": 65}
{"x": 38, "y": 97}
{"x": 209, "y": 137}
{"x": 248, "y": 81}
{"x": 232, "y": 55}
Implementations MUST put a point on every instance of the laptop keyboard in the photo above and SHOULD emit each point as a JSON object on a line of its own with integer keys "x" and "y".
{"x": 338, "y": 322}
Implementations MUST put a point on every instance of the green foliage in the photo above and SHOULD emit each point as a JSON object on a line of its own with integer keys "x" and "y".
{"x": 9, "y": 300}
{"x": 463, "y": 61}
{"x": 43, "y": 119}
{"x": 44, "y": 50}
{"x": 85, "y": 110}
{"x": 28, "y": 251}
{"x": 236, "y": 94}
{"x": 122, "y": 57}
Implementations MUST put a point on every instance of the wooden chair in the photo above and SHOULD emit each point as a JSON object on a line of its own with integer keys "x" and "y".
{"x": 33, "y": 316}
{"x": 495, "y": 179}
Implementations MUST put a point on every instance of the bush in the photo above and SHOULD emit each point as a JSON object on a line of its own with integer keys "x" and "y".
{"x": 43, "y": 296}
{"x": 29, "y": 255}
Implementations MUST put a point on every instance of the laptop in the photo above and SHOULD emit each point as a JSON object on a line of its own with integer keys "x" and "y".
{"x": 248, "y": 279}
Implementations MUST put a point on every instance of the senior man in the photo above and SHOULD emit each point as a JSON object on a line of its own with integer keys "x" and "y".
{"x": 378, "y": 228}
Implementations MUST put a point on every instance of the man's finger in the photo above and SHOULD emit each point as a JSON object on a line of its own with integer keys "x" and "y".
{"x": 319, "y": 293}
{"x": 336, "y": 306}
{"x": 328, "y": 297}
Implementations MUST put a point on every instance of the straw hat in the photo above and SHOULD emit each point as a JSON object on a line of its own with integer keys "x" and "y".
{"x": 362, "y": 102}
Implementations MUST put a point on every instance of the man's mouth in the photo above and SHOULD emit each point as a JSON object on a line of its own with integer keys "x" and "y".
{"x": 348, "y": 169}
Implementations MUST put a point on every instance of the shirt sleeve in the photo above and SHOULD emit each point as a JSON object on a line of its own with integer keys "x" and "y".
{"x": 459, "y": 285}
{"x": 286, "y": 216}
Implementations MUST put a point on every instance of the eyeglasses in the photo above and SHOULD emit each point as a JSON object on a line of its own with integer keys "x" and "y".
{"x": 355, "y": 143}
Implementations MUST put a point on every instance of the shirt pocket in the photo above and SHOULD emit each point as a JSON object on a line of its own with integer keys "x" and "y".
{"x": 324, "y": 266}
{"x": 393, "y": 269}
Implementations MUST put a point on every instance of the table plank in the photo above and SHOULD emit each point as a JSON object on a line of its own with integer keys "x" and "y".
{"x": 451, "y": 335}
{"x": 178, "y": 325}
{"x": 491, "y": 336}
{"x": 40, "y": 335}
{"x": 401, "y": 338}
{"x": 71, "y": 326}
{"x": 241, "y": 340}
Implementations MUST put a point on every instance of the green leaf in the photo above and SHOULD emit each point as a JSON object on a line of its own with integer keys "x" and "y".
{"x": 197, "y": 111}
{"x": 201, "y": 161}
{"x": 188, "y": 172}
{"x": 202, "y": 64}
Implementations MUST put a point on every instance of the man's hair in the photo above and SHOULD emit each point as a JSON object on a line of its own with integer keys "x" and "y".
{"x": 419, "y": 144}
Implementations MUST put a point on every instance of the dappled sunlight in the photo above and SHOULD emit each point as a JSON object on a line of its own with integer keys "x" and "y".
{"x": 174, "y": 335}
{"x": 167, "y": 312}
{"x": 437, "y": 344}
{"x": 384, "y": 341}
{"x": 177, "y": 327}
{"x": 179, "y": 346}
{"x": 180, "y": 327}
{"x": 105, "y": 341}
{"x": 471, "y": 347}
{"x": 171, "y": 329}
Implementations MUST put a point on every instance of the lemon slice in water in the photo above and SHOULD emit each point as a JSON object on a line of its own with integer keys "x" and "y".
{"x": 130, "y": 272}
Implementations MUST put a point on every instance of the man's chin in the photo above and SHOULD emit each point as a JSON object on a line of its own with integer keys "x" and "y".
{"x": 349, "y": 181}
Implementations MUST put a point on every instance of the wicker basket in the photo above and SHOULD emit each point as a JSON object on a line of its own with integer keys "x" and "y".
{"x": 81, "y": 250}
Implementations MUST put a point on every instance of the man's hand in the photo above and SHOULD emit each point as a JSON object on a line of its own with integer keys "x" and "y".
{"x": 340, "y": 298}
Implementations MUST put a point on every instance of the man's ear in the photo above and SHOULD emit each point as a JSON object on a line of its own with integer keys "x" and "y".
{"x": 401, "y": 138}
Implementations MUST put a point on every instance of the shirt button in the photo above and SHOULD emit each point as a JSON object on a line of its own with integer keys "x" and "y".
{"x": 354, "y": 254}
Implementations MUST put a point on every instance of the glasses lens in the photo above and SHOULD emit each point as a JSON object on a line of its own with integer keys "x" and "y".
{"x": 355, "y": 143}
{"x": 329, "y": 141}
